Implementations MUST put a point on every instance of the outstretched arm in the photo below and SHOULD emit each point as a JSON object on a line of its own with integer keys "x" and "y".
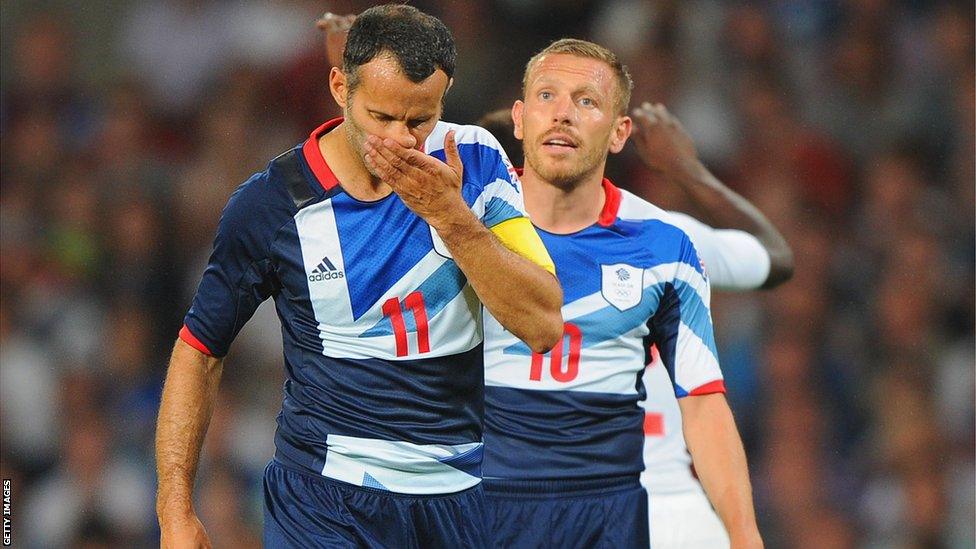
{"x": 666, "y": 148}
{"x": 720, "y": 462}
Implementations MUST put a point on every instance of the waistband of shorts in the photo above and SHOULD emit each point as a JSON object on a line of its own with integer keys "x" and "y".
{"x": 558, "y": 487}
{"x": 367, "y": 489}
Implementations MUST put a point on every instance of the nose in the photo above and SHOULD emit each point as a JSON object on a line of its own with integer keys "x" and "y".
{"x": 562, "y": 112}
{"x": 400, "y": 132}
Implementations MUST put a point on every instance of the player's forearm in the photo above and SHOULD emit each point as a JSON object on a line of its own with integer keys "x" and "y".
{"x": 720, "y": 462}
{"x": 726, "y": 209}
{"x": 521, "y": 295}
{"x": 184, "y": 414}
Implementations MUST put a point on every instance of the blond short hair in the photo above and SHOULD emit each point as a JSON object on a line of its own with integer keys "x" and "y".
{"x": 589, "y": 50}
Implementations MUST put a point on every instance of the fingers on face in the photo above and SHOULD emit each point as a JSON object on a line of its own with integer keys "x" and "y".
{"x": 405, "y": 158}
{"x": 392, "y": 160}
{"x": 375, "y": 163}
{"x": 379, "y": 162}
{"x": 379, "y": 159}
{"x": 451, "y": 155}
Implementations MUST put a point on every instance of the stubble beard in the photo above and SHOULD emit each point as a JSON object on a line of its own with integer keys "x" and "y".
{"x": 356, "y": 137}
{"x": 567, "y": 177}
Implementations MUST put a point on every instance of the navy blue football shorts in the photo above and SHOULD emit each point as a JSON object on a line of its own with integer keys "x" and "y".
{"x": 306, "y": 511}
{"x": 605, "y": 512}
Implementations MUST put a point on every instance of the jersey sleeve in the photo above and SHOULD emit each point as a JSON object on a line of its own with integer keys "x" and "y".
{"x": 239, "y": 274}
{"x": 736, "y": 260}
{"x": 682, "y": 328}
{"x": 504, "y": 209}
{"x": 501, "y": 188}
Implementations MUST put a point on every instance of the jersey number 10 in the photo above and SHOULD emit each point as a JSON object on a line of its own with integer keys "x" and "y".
{"x": 393, "y": 308}
{"x": 556, "y": 370}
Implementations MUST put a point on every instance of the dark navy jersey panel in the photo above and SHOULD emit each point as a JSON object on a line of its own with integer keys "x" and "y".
{"x": 664, "y": 329}
{"x": 562, "y": 434}
{"x": 433, "y": 401}
{"x": 240, "y": 272}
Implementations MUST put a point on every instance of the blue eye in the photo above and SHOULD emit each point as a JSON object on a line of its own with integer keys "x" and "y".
{"x": 587, "y": 102}
{"x": 545, "y": 95}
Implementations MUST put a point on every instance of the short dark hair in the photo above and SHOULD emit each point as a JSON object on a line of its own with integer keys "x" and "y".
{"x": 419, "y": 42}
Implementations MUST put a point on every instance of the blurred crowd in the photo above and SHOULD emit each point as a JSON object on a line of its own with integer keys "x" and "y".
{"x": 126, "y": 125}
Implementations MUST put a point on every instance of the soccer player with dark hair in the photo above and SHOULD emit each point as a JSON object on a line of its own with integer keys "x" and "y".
{"x": 379, "y": 238}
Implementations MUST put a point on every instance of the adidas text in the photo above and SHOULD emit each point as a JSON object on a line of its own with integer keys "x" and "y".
{"x": 329, "y": 275}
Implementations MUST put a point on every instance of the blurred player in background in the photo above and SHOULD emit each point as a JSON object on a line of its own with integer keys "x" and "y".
{"x": 353, "y": 233}
{"x": 748, "y": 254}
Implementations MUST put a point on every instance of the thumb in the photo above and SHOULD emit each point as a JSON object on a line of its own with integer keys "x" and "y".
{"x": 451, "y": 156}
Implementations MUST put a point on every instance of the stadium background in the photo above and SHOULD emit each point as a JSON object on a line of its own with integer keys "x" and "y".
{"x": 125, "y": 126}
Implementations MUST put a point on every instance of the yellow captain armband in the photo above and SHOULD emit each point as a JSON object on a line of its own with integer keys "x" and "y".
{"x": 518, "y": 235}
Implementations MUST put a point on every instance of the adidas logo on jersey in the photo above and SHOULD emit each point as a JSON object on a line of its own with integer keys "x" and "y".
{"x": 325, "y": 271}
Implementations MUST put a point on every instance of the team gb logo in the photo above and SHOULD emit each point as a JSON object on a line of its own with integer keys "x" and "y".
{"x": 622, "y": 286}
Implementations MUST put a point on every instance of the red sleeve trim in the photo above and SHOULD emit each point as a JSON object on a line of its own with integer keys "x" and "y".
{"x": 717, "y": 386}
{"x": 313, "y": 155}
{"x": 611, "y": 206}
{"x": 187, "y": 336}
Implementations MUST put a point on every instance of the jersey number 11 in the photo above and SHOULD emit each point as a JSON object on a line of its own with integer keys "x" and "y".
{"x": 393, "y": 308}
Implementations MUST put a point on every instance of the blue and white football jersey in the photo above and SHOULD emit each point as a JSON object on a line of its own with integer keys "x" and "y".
{"x": 631, "y": 280}
{"x": 382, "y": 333}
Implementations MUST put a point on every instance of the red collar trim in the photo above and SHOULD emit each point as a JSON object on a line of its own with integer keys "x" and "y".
{"x": 611, "y": 205}
{"x": 313, "y": 155}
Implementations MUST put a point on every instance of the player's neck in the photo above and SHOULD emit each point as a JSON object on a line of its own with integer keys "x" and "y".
{"x": 563, "y": 209}
{"x": 349, "y": 169}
